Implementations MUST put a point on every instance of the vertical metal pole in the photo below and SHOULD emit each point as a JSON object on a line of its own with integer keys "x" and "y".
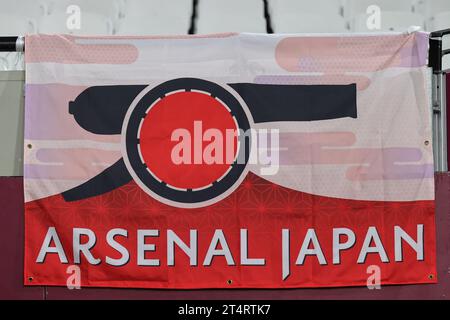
{"x": 443, "y": 103}
{"x": 439, "y": 123}
{"x": 439, "y": 88}
{"x": 435, "y": 124}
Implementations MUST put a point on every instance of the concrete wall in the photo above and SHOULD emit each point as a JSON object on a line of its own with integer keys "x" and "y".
{"x": 11, "y": 122}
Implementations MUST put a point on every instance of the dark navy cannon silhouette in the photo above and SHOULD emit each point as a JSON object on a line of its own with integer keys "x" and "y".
{"x": 102, "y": 110}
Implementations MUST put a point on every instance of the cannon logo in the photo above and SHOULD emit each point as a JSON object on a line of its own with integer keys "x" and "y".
{"x": 187, "y": 142}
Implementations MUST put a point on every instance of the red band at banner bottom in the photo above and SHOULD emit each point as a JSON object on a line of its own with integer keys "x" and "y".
{"x": 307, "y": 241}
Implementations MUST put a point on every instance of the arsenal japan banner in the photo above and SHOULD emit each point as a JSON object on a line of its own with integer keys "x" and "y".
{"x": 229, "y": 161}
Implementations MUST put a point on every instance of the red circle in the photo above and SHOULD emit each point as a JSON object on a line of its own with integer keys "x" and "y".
{"x": 167, "y": 132}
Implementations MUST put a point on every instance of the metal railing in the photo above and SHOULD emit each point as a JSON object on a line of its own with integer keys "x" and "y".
{"x": 439, "y": 103}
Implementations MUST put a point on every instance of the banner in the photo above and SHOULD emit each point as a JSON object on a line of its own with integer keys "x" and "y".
{"x": 228, "y": 161}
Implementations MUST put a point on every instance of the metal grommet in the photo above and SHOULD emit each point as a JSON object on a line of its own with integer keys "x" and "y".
{"x": 427, "y": 142}
{"x": 230, "y": 282}
{"x": 431, "y": 276}
{"x": 29, "y": 146}
{"x": 30, "y": 279}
